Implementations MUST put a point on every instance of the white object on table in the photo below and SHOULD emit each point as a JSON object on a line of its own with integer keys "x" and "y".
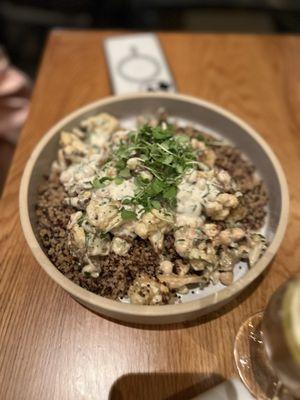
{"x": 137, "y": 63}
{"x": 233, "y": 389}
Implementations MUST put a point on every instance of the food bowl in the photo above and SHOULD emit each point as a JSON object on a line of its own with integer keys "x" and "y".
{"x": 200, "y": 113}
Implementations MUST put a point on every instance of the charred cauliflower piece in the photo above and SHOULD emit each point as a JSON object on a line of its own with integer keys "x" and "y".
{"x": 147, "y": 291}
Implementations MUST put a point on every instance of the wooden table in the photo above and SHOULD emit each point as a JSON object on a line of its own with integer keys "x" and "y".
{"x": 53, "y": 348}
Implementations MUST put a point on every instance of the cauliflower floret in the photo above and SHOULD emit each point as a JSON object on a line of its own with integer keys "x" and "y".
{"x": 77, "y": 232}
{"x": 192, "y": 177}
{"x": 98, "y": 246}
{"x": 154, "y": 224}
{"x": 227, "y": 200}
{"x": 79, "y": 201}
{"x": 90, "y": 270}
{"x": 71, "y": 144}
{"x": 182, "y": 268}
{"x": 230, "y": 235}
{"x": 188, "y": 220}
{"x": 176, "y": 282}
{"x": 220, "y": 208}
{"x": 205, "y": 252}
{"x": 120, "y": 246}
{"x": 125, "y": 230}
{"x": 103, "y": 216}
{"x": 78, "y": 177}
{"x": 147, "y": 291}
{"x": 157, "y": 240}
{"x": 103, "y": 123}
{"x": 227, "y": 259}
{"x": 184, "y": 237}
{"x": 226, "y": 278}
{"x": 78, "y": 236}
{"x": 257, "y": 247}
{"x": 209, "y": 157}
{"x": 198, "y": 265}
{"x": 74, "y": 219}
{"x": 166, "y": 266}
{"x": 119, "y": 136}
{"x": 100, "y": 127}
{"x": 211, "y": 230}
{"x": 224, "y": 177}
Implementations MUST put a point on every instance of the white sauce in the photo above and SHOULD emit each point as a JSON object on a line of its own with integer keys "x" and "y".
{"x": 77, "y": 176}
{"x": 189, "y": 200}
{"x": 117, "y": 192}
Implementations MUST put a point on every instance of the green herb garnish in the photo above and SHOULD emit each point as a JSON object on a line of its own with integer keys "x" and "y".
{"x": 99, "y": 183}
{"x": 165, "y": 155}
{"x": 156, "y": 204}
{"x": 128, "y": 215}
{"x": 118, "y": 180}
{"x": 170, "y": 192}
{"x": 125, "y": 173}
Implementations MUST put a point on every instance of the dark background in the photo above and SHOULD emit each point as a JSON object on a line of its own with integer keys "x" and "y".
{"x": 24, "y": 24}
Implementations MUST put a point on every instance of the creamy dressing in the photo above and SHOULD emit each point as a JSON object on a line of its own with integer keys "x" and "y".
{"x": 117, "y": 192}
{"x": 99, "y": 139}
{"x": 189, "y": 197}
{"x": 79, "y": 176}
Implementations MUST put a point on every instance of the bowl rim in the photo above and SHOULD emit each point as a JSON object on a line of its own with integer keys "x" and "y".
{"x": 113, "y": 307}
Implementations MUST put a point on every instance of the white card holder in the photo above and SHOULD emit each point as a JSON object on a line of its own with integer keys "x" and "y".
{"x": 137, "y": 63}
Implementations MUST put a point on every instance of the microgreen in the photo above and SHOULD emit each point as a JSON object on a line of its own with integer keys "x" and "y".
{"x": 127, "y": 200}
{"x": 170, "y": 192}
{"x": 165, "y": 155}
{"x": 99, "y": 182}
{"x": 128, "y": 215}
{"x": 118, "y": 180}
{"x": 156, "y": 204}
{"x": 125, "y": 173}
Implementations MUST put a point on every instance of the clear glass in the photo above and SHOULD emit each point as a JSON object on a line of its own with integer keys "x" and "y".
{"x": 263, "y": 355}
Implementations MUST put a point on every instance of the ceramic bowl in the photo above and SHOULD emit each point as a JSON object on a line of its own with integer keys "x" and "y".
{"x": 187, "y": 110}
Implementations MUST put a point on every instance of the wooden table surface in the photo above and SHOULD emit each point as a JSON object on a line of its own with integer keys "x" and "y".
{"x": 53, "y": 348}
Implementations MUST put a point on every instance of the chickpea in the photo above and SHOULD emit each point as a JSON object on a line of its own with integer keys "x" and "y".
{"x": 133, "y": 163}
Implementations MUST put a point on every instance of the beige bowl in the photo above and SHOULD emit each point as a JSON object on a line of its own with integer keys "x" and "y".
{"x": 188, "y": 109}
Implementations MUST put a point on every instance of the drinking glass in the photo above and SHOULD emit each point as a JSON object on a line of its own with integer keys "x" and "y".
{"x": 267, "y": 347}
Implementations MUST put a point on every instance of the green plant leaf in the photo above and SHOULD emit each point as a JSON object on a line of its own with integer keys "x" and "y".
{"x": 128, "y": 215}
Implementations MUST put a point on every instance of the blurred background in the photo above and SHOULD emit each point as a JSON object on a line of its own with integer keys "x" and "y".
{"x": 24, "y": 26}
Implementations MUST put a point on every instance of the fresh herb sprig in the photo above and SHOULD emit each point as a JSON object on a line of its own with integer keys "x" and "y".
{"x": 165, "y": 155}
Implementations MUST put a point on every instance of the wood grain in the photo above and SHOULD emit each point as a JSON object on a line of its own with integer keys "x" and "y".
{"x": 53, "y": 348}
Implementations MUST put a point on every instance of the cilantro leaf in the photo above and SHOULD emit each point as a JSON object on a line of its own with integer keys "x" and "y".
{"x": 128, "y": 215}
{"x": 166, "y": 155}
{"x": 118, "y": 180}
{"x": 127, "y": 200}
{"x": 156, "y": 187}
{"x": 125, "y": 173}
{"x": 99, "y": 183}
{"x": 170, "y": 192}
{"x": 161, "y": 134}
{"x": 156, "y": 204}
